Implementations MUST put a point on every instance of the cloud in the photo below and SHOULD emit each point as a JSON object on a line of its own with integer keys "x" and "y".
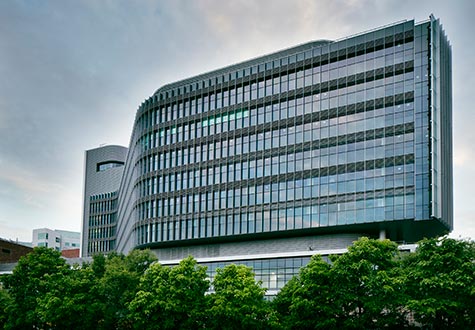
{"x": 464, "y": 226}
{"x": 72, "y": 74}
{"x": 25, "y": 187}
{"x": 9, "y": 231}
{"x": 464, "y": 155}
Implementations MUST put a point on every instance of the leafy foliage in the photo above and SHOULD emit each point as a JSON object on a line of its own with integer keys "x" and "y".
{"x": 32, "y": 279}
{"x": 440, "y": 278}
{"x": 370, "y": 287}
{"x": 5, "y": 301}
{"x": 238, "y": 300}
{"x": 360, "y": 289}
{"x": 119, "y": 284}
{"x": 307, "y": 301}
{"x": 69, "y": 297}
{"x": 171, "y": 298}
{"x": 46, "y": 293}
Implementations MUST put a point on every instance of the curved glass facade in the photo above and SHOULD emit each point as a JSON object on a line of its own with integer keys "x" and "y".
{"x": 320, "y": 139}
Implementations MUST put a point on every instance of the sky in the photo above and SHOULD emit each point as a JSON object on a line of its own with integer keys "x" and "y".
{"x": 73, "y": 73}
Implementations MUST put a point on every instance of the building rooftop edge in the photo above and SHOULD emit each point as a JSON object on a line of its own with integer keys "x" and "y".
{"x": 106, "y": 146}
{"x": 287, "y": 51}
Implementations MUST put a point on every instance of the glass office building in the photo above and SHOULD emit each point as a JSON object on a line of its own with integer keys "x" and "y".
{"x": 295, "y": 153}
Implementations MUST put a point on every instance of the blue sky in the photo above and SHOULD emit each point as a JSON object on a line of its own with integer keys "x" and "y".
{"x": 72, "y": 74}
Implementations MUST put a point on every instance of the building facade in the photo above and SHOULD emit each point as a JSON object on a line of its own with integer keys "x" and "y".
{"x": 70, "y": 240}
{"x": 56, "y": 239}
{"x": 102, "y": 176}
{"x": 10, "y": 253}
{"x": 302, "y": 151}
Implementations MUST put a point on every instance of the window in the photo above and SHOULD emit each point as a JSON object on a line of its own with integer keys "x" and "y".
{"x": 42, "y": 235}
{"x": 107, "y": 165}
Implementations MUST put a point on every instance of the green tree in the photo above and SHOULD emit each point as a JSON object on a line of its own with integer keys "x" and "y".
{"x": 71, "y": 302}
{"x": 119, "y": 284}
{"x": 368, "y": 287}
{"x": 307, "y": 300}
{"x": 171, "y": 297}
{"x": 5, "y": 302}
{"x": 238, "y": 301}
{"x": 97, "y": 292}
{"x": 31, "y": 280}
{"x": 360, "y": 289}
{"x": 440, "y": 278}
{"x": 98, "y": 265}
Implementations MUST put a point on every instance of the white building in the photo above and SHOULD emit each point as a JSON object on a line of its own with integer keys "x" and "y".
{"x": 57, "y": 239}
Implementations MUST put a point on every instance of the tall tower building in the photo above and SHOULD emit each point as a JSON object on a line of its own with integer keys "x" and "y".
{"x": 102, "y": 176}
{"x": 298, "y": 152}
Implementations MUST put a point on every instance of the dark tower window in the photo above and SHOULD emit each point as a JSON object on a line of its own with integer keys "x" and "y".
{"x": 107, "y": 165}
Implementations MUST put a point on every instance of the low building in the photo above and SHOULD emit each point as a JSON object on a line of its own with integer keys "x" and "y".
{"x": 10, "y": 253}
{"x": 71, "y": 253}
{"x": 56, "y": 239}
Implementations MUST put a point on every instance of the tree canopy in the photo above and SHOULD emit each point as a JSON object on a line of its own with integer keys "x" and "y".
{"x": 371, "y": 286}
{"x": 238, "y": 300}
{"x": 47, "y": 293}
{"x": 32, "y": 279}
{"x": 171, "y": 297}
{"x": 307, "y": 300}
{"x": 360, "y": 289}
{"x": 440, "y": 281}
